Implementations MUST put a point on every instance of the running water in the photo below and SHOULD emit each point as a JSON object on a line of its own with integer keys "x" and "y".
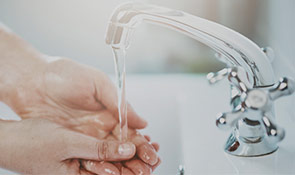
{"x": 119, "y": 58}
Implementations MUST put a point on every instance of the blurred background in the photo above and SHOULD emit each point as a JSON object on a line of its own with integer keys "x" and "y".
{"x": 76, "y": 29}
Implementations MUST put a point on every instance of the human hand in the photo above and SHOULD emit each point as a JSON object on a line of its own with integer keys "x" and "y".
{"x": 72, "y": 102}
{"x": 144, "y": 162}
{"x": 63, "y": 91}
{"x": 74, "y": 105}
{"x": 39, "y": 146}
{"x": 60, "y": 89}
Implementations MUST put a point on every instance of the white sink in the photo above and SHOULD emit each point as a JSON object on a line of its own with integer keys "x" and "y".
{"x": 181, "y": 112}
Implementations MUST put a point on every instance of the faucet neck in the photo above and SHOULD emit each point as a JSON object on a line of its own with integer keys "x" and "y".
{"x": 234, "y": 47}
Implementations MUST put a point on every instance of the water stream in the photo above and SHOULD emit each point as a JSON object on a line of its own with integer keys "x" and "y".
{"x": 119, "y": 59}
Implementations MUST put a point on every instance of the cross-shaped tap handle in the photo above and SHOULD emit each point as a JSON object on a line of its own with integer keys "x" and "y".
{"x": 256, "y": 104}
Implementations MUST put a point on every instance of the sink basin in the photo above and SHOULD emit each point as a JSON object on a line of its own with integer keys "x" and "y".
{"x": 181, "y": 110}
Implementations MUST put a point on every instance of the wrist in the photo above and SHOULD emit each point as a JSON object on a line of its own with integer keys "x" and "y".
{"x": 18, "y": 63}
{"x": 5, "y": 147}
{"x": 9, "y": 144}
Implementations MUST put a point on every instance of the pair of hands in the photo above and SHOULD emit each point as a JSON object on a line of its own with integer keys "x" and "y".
{"x": 57, "y": 99}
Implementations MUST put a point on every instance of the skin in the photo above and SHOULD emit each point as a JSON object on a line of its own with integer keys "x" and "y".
{"x": 72, "y": 95}
{"x": 39, "y": 146}
{"x": 139, "y": 164}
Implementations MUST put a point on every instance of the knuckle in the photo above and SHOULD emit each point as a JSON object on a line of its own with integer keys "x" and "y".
{"x": 103, "y": 153}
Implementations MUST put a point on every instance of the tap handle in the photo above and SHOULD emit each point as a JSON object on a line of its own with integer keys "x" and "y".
{"x": 285, "y": 86}
{"x": 226, "y": 121}
{"x": 275, "y": 133}
{"x": 240, "y": 79}
{"x": 236, "y": 75}
{"x": 260, "y": 99}
{"x": 255, "y": 104}
{"x": 214, "y": 77}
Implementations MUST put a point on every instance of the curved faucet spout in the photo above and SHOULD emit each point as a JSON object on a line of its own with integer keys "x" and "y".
{"x": 235, "y": 48}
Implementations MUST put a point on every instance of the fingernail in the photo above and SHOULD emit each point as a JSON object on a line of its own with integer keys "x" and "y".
{"x": 126, "y": 149}
{"x": 148, "y": 154}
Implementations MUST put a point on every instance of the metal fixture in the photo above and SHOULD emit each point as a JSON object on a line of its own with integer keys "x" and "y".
{"x": 251, "y": 75}
{"x": 254, "y": 132}
{"x": 181, "y": 170}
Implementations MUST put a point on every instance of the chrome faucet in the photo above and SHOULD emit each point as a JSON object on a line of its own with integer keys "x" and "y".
{"x": 253, "y": 86}
{"x": 254, "y": 132}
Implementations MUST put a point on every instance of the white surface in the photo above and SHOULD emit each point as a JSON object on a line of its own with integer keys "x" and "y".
{"x": 181, "y": 111}
{"x": 281, "y": 39}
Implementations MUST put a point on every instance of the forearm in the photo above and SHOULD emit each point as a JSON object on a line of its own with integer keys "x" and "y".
{"x": 14, "y": 48}
{"x": 6, "y": 144}
{"x": 18, "y": 60}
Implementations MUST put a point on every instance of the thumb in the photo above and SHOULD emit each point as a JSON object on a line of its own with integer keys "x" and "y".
{"x": 86, "y": 147}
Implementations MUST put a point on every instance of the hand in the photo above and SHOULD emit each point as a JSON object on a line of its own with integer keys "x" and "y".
{"x": 145, "y": 161}
{"x": 83, "y": 99}
{"x": 39, "y": 146}
{"x": 65, "y": 91}
{"x": 62, "y": 91}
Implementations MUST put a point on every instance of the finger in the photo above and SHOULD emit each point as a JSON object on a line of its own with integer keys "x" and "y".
{"x": 110, "y": 137}
{"x": 85, "y": 172}
{"x": 156, "y": 165}
{"x": 138, "y": 167}
{"x": 156, "y": 146}
{"x": 147, "y": 153}
{"x": 148, "y": 138}
{"x": 85, "y": 147}
{"x": 101, "y": 168}
{"x": 91, "y": 130}
{"x": 106, "y": 93}
{"x": 144, "y": 150}
{"x": 118, "y": 165}
{"x": 126, "y": 171}
{"x": 103, "y": 120}
{"x": 122, "y": 169}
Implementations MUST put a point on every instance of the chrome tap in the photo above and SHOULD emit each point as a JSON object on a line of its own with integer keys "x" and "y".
{"x": 254, "y": 132}
{"x": 234, "y": 47}
{"x": 241, "y": 55}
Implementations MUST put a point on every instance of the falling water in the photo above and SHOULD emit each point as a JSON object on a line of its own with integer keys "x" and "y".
{"x": 119, "y": 58}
